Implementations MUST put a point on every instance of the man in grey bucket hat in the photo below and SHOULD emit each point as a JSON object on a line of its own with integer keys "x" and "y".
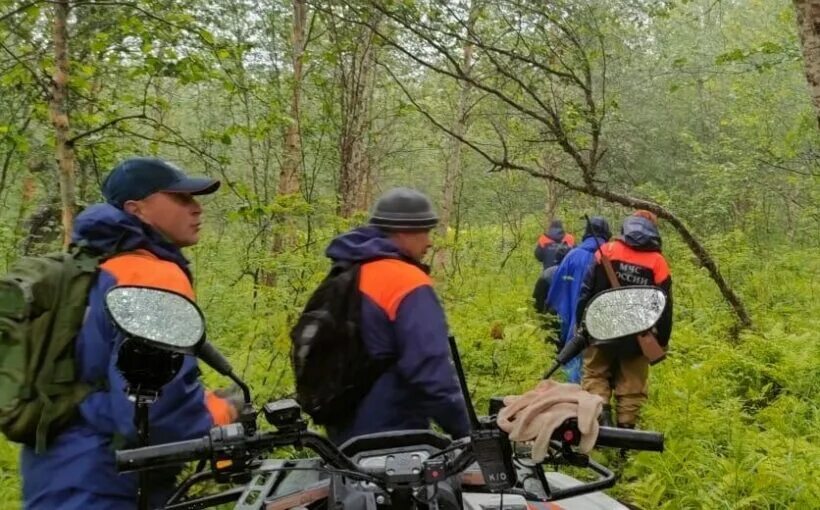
{"x": 402, "y": 320}
{"x": 407, "y": 216}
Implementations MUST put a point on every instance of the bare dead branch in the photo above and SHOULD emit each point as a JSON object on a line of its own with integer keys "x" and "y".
{"x": 104, "y": 126}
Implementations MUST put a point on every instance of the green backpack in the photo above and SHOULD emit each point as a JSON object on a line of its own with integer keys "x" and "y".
{"x": 43, "y": 302}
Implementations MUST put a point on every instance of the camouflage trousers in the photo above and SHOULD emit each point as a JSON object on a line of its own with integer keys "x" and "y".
{"x": 606, "y": 373}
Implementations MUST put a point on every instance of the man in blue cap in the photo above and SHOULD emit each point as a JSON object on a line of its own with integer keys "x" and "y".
{"x": 567, "y": 282}
{"x": 151, "y": 212}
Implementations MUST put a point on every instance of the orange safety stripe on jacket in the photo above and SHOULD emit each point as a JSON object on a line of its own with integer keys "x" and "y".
{"x": 387, "y": 281}
{"x": 619, "y": 251}
{"x": 141, "y": 267}
{"x": 568, "y": 239}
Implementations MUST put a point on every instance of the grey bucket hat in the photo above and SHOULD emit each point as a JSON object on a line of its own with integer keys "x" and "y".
{"x": 403, "y": 209}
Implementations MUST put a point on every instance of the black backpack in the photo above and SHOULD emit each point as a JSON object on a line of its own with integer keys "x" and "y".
{"x": 554, "y": 253}
{"x": 542, "y": 289}
{"x": 561, "y": 252}
{"x": 332, "y": 367}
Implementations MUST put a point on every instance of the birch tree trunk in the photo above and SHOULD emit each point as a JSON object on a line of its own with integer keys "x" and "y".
{"x": 58, "y": 111}
{"x": 808, "y": 27}
{"x": 290, "y": 174}
{"x": 452, "y": 173}
{"x": 357, "y": 79}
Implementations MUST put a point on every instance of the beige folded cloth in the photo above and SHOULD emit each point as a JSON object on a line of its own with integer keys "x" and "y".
{"x": 535, "y": 415}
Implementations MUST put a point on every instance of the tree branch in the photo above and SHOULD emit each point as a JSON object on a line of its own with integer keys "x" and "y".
{"x": 458, "y": 74}
{"x": 591, "y": 188}
{"x": 8, "y": 157}
{"x": 73, "y": 140}
{"x": 432, "y": 119}
{"x": 472, "y": 38}
{"x": 5, "y": 16}
{"x": 41, "y": 82}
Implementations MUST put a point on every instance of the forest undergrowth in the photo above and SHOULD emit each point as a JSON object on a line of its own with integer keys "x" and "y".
{"x": 740, "y": 411}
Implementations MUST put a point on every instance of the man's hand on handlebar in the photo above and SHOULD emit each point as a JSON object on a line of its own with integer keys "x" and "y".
{"x": 224, "y": 404}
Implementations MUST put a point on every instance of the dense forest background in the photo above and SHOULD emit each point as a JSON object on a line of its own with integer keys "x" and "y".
{"x": 508, "y": 113}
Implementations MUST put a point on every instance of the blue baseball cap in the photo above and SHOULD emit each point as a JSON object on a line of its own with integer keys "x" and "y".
{"x": 136, "y": 178}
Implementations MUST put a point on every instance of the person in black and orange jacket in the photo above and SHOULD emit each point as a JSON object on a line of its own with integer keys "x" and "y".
{"x": 619, "y": 366}
{"x": 150, "y": 214}
{"x": 401, "y": 319}
{"x": 553, "y": 244}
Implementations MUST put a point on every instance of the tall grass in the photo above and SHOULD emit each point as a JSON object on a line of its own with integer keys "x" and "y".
{"x": 741, "y": 415}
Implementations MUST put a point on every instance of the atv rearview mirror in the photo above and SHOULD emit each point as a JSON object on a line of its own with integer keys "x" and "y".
{"x": 614, "y": 314}
{"x": 624, "y": 311}
{"x": 160, "y": 318}
{"x": 156, "y": 320}
{"x": 160, "y": 327}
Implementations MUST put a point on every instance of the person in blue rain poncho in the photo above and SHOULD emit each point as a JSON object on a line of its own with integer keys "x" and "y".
{"x": 566, "y": 286}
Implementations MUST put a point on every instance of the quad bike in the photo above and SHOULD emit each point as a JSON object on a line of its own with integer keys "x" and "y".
{"x": 396, "y": 470}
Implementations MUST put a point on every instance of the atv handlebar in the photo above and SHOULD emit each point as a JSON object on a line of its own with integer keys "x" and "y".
{"x": 163, "y": 455}
{"x": 630, "y": 439}
{"x": 231, "y": 441}
{"x": 226, "y": 442}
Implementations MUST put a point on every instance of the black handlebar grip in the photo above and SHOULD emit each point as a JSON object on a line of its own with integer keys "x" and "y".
{"x": 162, "y": 455}
{"x": 630, "y": 439}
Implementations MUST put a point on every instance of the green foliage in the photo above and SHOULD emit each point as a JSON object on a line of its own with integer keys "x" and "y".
{"x": 740, "y": 418}
{"x": 705, "y": 110}
{"x": 10, "y": 495}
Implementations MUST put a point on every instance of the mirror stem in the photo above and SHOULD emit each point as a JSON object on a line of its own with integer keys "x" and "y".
{"x": 141, "y": 423}
{"x": 214, "y": 359}
{"x": 247, "y": 415}
{"x": 573, "y": 348}
{"x": 551, "y": 371}
{"x": 246, "y": 391}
